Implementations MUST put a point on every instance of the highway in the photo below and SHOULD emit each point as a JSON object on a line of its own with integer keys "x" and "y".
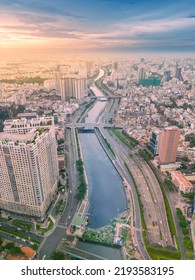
{"x": 154, "y": 209}
{"x": 119, "y": 165}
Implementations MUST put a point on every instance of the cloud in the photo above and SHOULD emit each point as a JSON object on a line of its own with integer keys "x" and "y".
{"x": 190, "y": 16}
{"x": 97, "y": 23}
{"x": 39, "y": 7}
{"x": 119, "y": 1}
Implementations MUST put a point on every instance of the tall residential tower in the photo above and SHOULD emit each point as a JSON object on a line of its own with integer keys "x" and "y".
{"x": 71, "y": 80}
{"x": 169, "y": 141}
{"x": 28, "y": 171}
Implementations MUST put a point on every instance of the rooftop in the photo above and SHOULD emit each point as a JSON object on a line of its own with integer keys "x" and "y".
{"x": 29, "y": 136}
{"x": 42, "y": 121}
{"x": 17, "y": 137}
{"x": 181, "y": 178}
{"x": 29, "y": 252}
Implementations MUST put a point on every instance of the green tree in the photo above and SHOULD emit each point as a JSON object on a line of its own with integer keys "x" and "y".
{"x": 58, "y": 256}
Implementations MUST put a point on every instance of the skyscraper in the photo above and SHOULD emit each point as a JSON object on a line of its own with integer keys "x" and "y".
{"x": 178, "y": 74}
{"x": 154, "y": 142}
{"x": 169, "y": 141}
{"x": 28, "y": 171}
{"x": 142, "y": 73}
{"x": 167, "y": 76}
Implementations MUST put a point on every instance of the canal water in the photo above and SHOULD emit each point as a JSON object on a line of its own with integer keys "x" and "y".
{"x": 94, "y": 113}
{"x": 107, "y": 197}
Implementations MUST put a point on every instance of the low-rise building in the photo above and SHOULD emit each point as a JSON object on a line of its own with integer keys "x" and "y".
{"x": 181, "y": 182}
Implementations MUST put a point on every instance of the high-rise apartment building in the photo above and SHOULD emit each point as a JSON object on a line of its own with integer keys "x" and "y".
{"x": 72, "y": 86}
{"x": 169, "y": 141}
{"x": 71, "y": 80}
{"x": 155, "y": 142}
{"x": 28, "y": 170}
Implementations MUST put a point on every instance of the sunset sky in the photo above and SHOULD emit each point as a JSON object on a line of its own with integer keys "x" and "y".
{"x": 97, "y": 25}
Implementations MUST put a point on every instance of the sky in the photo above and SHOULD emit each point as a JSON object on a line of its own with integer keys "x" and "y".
{"x": 96, "y": 25}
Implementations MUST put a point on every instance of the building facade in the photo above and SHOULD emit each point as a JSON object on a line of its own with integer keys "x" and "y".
{"x": 71, "y": 80}
{"x": 155, "y": 142}
{"x": 28, "y": 171}
{"x": 169, "y": 141}
{"x": 181, "y": 182}
{"x": 73, "y": 86}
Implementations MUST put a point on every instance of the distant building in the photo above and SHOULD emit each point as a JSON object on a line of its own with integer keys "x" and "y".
{"x": 142, "y": 73}
{"x": 151, "y": 81}
{"x": 169, "y": 141}
{"x": 142, "y": 60}
{"x": 7, "y": 110}
{"x": 55, "y": 116}
{"x": 28, "y": 171}
{"x": 178, "y": 74}
{"x": 90, "y": 67}
{"x": 142, "y": 107}
{"x": 154, "y": 142}
{"x": 49, "y": 84}
{"x": 27, "y": 115}
{"x": 71, "y": 80}
{"x": 17, "y": 98}
{"x": 167, "y": 76}
{"x": 116, "y": 65}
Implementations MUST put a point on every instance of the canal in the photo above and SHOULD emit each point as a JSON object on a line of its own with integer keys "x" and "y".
{"x": 107, "y": 197}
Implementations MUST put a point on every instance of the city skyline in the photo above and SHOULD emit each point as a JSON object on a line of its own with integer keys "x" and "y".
{"x": 99, "y": 26}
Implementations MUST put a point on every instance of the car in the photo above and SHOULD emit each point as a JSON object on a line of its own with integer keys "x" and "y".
{"x": 69, "y": 217}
